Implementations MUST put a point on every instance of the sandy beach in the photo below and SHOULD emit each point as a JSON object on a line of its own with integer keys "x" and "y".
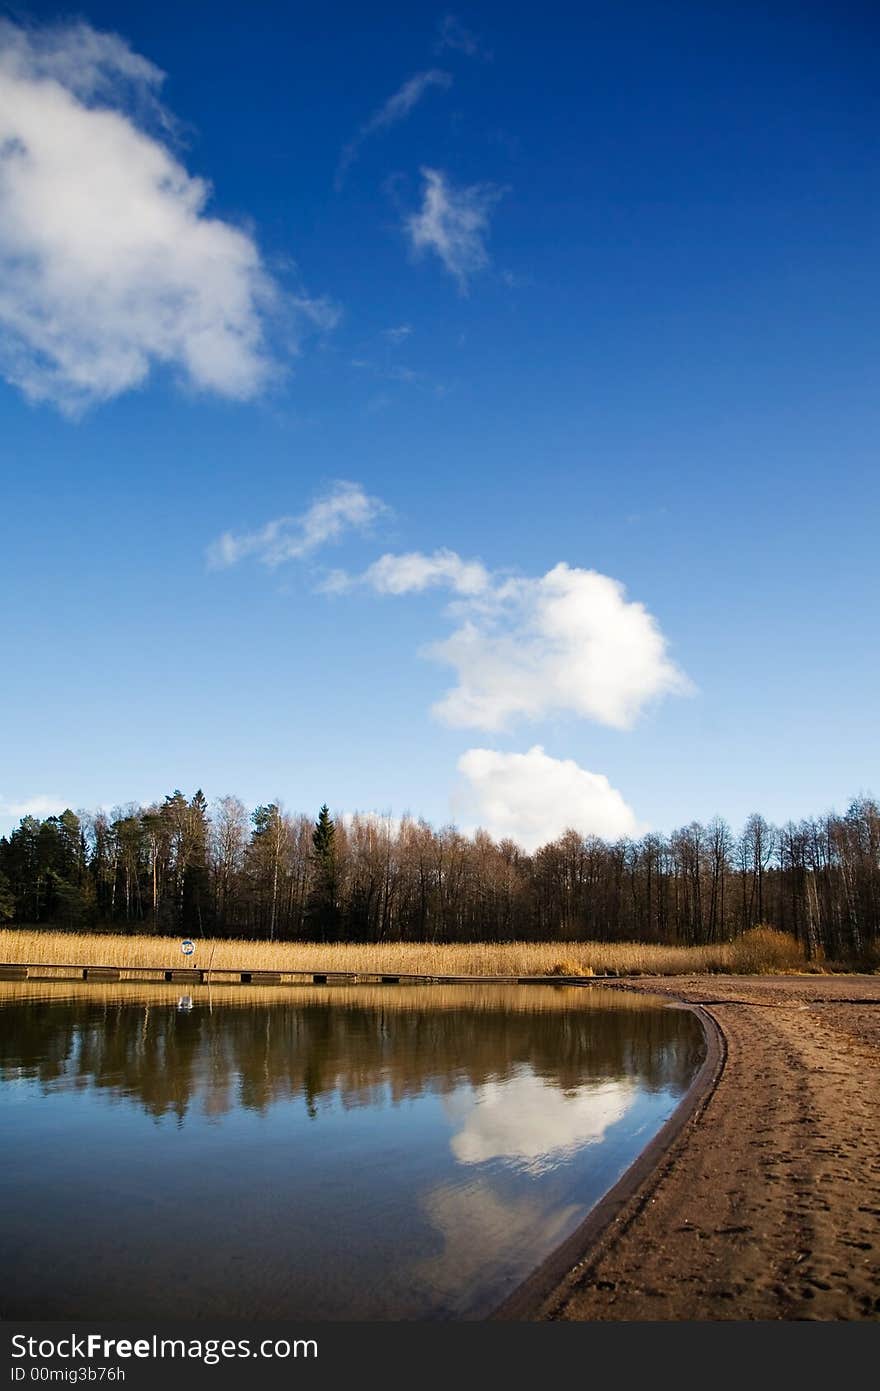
{"x": 766, "y": 1203}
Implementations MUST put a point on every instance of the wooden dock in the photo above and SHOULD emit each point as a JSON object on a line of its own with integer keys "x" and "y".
{"x": 180, "y": 975}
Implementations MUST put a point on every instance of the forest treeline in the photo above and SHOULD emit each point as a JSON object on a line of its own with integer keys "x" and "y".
{"x": 182, "y": 867}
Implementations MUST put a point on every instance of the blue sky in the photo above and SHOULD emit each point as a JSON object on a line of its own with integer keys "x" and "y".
{"x": 542, "y": 289}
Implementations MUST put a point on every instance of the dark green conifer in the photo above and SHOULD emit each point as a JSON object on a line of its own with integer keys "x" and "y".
{"x": 323, "y": 903}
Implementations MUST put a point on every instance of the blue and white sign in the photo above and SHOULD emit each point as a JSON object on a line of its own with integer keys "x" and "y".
{"x": 187, "y": 946}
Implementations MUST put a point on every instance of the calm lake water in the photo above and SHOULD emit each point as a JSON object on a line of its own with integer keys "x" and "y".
{"x": 313, "y": 1153}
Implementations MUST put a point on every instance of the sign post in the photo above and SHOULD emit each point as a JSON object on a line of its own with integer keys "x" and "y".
{"x": 187, "y": 946}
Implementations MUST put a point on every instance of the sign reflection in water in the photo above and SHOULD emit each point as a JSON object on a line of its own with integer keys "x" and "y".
{"x": 341, "y": 1152}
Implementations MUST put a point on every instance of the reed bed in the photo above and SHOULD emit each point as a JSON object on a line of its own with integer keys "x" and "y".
{"x": 760, "y": 950}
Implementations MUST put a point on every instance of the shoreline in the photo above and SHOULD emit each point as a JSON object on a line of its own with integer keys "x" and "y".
{"x": 542, "y": 1290}
{"x": 760, "y": 1197}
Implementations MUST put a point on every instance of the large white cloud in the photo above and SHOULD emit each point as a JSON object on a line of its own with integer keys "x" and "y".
{"x": 532, "y": 798}
{"x": 567, "y": 641}
{"x": 109, "y": 263}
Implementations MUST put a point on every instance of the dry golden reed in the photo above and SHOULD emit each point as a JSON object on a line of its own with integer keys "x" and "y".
{"x": 763, "y": 949}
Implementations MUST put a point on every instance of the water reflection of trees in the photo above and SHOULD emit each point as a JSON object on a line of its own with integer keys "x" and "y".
{"x": 326, "y": 1047}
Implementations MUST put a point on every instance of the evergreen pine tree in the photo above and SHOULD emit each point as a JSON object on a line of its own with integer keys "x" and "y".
{"x": 323, "y": 906}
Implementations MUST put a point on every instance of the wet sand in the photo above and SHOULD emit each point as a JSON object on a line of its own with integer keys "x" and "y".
{"x": 766, "y": 1203}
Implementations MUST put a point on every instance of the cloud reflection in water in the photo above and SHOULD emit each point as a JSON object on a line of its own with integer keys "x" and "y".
{"x": 532, "y": 1124}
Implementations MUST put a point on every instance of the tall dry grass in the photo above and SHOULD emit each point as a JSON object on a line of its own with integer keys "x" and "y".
{"x": 761, "y": 950}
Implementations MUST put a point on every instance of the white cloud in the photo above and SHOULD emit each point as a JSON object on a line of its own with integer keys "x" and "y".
{"x": 82, "y": 59}
{"x": 109, "y": 263}
{"x": 346, "y": 507}
{"x": 569, "y": 641}
{"x": 398, "y": 334}
{"x": 414, "y": 572}
{"x": 395, "y": 109}
{"x": 532, "y": 798}
{"x": 40, "y": 806}
{"x": 453, "y": 223}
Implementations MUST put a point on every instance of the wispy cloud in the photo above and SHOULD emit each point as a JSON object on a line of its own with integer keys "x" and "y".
{"x": 453, "y": 223}
{"x": 566, "y": 642}
{"x": 414, "y": 572}
{"x": 40, "y": 806}
{"x": 453, "y": 35}
{"x": 399, "y": 374}
{"x": 347, "y": 507}
{"x": 513, "y": 281}
{"x": 395, "y": 109}
{"x": 398, "y": 334}
{"x": 109, "y": 262}
{"x": 395, "y": 373}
